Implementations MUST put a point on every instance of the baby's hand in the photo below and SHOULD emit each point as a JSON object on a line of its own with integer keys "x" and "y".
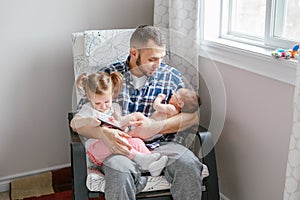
{"x": 161, "y": 95}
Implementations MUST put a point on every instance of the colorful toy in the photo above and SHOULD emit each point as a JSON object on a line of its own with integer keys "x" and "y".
{"x": 295, "y": 51}
{"x": 286, "y": 53}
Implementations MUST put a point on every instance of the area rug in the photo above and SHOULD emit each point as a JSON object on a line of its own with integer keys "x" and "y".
{"x": 33, "y": 186}
{"x": 54, "y": 185}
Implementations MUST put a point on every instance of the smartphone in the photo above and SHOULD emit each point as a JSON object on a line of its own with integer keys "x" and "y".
{"x": 108, "y": 121}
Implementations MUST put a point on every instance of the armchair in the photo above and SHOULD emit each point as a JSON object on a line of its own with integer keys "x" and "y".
{"x": 92, "y": 49}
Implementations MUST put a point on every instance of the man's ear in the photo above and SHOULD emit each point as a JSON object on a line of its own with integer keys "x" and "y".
{"x": 133, "y": 53}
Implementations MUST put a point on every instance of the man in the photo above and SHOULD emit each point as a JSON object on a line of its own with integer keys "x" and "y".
{"x": 144, "y": 78}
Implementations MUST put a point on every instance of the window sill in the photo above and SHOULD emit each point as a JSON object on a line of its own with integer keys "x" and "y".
{"x": 254, "y": 59}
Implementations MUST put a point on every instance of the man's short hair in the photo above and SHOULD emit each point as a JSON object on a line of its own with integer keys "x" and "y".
{"x": 145, "y": 33}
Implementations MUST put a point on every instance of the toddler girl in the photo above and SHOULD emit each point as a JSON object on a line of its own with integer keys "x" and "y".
{"x": 99, "y": 89}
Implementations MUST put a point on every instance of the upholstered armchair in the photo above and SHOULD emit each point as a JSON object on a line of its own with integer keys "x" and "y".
{"x": 91, "y": 51}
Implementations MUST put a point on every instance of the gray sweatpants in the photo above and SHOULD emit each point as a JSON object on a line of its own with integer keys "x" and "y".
{"x": 123, "y": 176}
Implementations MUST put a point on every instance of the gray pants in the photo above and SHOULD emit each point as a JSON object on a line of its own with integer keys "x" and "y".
{"x": 123, "y": 176}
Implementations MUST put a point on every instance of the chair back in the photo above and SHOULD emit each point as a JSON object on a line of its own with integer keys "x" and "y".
{"x": 95, "y": 49}
{"x": 98, "y": 48}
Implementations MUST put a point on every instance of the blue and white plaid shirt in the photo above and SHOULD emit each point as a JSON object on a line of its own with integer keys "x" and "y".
{"x": 165, "y": 79}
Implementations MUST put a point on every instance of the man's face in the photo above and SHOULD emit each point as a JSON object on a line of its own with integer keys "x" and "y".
{"x": 149, "y": 59}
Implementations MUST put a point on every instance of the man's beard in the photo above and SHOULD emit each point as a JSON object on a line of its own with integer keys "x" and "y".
{"x": 138, "y": 64}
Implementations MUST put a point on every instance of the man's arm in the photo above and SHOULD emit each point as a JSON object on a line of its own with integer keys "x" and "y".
{"x": 146, "y": 128}
{"x": 179, "y": 122}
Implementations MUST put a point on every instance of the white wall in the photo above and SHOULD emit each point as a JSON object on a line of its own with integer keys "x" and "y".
{"x": 37, "y": 76}
{"x": 253, "y": 148}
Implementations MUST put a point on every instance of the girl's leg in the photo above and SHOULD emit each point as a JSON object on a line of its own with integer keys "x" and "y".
{"x": 139, "y": 145}
{"x": 152, "y": 162}
{"x": 147, "y": 160}
{"x": 98, "y": 152}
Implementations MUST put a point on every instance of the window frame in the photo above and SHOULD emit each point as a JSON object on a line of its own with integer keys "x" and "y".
{"x": 273, "y": 8}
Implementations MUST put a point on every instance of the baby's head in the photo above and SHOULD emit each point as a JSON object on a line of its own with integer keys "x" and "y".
{"x": 100, "y": 88}
{"x": 186, "y": 100}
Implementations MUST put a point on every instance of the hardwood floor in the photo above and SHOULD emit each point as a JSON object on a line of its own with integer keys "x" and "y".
{"x": 62, "y": 179}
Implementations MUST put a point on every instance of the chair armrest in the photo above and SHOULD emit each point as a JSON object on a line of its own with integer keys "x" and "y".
{"x": 209, "y": 159}
{"x": 79, "y": 171}
{"x": 78, "y": 163}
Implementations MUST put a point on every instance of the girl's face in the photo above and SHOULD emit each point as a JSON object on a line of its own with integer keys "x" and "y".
{"x": 101, "y": 102}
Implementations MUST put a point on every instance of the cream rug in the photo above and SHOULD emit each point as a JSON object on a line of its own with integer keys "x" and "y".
{"x": 32, "y": 186}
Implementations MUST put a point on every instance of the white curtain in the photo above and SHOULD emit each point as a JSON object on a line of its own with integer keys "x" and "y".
{"x": 292, "y": 181}
{"x": 180, "y": 21}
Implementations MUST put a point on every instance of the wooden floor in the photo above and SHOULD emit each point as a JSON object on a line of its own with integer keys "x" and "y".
{"x": 62, "y": 179}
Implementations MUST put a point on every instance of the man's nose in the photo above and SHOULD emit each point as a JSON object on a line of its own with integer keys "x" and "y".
{"x": 157, "y": 63}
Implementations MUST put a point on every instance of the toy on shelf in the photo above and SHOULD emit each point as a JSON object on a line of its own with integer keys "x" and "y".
{"x": 286, "y": 53}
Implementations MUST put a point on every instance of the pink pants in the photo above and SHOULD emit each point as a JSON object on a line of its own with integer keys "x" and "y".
{"x": 98, "y": 151}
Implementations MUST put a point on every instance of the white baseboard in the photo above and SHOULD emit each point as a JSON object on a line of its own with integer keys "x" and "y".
{"x": 4, "y": 186}
{"x": 5, "y": 181}
{"x": 223, "y": 197}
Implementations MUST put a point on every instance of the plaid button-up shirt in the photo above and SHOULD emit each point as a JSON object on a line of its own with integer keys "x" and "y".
{"x": 165, "y": 79}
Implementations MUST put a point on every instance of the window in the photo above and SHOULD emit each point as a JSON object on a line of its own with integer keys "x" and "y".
{"x": 286, "y": 24}
{"x": 264, "y": 23}
{"x": 243, "y": 33}
{"x": 271, "y": 22}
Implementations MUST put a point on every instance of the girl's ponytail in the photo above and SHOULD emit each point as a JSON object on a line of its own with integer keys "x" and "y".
{"x": 117, "y": 83}
{"x": 81, "y": 83}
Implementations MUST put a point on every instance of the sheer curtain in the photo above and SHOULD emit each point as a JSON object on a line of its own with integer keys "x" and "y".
{"x": 181, "y": 22}
{"x": 292, "y": 181}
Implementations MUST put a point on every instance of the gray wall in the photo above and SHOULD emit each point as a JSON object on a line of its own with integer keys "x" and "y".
{"x": 253, "y": 148}
{"x": 37, "y": 75}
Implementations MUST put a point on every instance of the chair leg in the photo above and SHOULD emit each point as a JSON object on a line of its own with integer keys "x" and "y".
{"x": 79, "y": 173}
{"x": 207, "y": 146}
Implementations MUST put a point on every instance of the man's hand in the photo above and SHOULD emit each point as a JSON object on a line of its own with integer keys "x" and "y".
{"x": 144, "y": 127}
{"x": 116, "y": 141}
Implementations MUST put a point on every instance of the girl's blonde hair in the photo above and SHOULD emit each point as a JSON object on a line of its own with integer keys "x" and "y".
{"x": 100, "y": 83}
